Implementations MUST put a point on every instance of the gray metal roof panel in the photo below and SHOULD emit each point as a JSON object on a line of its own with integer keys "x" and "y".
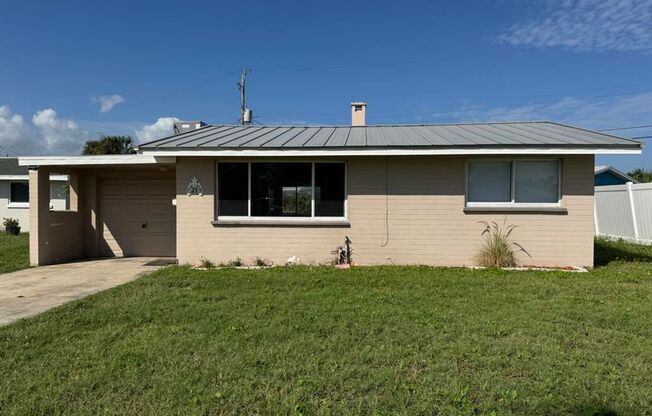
{"x": 321, "y": 137}
{"x": 300, "y": 139}
{"x": 339, "y": 137}
{"x": 357, "y": 137}
{"x": 436, "y": 135}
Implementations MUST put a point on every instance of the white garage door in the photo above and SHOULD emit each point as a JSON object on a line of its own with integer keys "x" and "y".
{"x": 138, "y": 218}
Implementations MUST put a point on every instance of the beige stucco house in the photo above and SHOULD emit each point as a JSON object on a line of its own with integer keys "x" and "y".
{"x": 402, "y": 194}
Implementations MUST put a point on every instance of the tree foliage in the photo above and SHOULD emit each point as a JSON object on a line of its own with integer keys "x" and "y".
{"x": 641, "y": 175}
{"x": 109, "y": 145}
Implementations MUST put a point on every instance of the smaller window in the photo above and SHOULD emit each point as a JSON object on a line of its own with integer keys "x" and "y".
{"x": 19, "y": 192}
{"x": 510, "y": 182}
{"x": 358, "y": 108}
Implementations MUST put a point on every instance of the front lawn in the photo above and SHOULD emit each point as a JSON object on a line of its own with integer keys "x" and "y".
{"x": 385, "y": 340}
{"x": 14, "y": 252}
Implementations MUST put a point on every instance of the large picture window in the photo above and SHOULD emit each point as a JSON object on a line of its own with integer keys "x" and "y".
{"x": 270, "y": 189}
{"x": 506, "y": 182}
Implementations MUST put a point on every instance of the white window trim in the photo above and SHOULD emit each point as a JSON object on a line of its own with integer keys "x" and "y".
{"x": 289, "y": 220}
{"x": 513, "y": 203}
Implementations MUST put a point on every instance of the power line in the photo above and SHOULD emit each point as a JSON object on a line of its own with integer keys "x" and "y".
{"x": 641, "y": 137}
{"x": 628, "y": 128}
{"x": 8, "y": 150}
{"x": 176, "y": 92}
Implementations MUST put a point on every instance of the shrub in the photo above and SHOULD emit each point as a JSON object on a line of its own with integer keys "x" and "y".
{"x": 260, "y": 262}
{"x": 236, "y": 263}
{"x": 206, "y": 263}
{"x": 11, "y": 225}
{"x": 344, "y": 254}
{"x": 498, "y": 249}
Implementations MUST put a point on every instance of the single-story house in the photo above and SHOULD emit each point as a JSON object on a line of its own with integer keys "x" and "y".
{"x": 403, "y": 194}
{"x": 608, "y": 175}
{"x": 14, "y": 192}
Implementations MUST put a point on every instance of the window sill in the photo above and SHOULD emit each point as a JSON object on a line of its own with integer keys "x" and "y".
{"x": 280, "y": 222}
{"x": 18, "y": 205}
{"x": 516, "y": 209}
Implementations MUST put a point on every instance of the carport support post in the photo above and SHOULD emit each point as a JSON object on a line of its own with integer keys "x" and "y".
{"x": 39, "y": 209}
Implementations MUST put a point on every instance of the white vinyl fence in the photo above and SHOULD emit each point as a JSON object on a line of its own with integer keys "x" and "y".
{"x": 624, "y": 211}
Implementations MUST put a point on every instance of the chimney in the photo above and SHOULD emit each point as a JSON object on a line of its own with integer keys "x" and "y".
{"x": 185, "y": 126}
{"x": 358, "y": 111}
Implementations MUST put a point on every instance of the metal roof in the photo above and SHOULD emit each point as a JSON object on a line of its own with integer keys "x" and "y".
{"x": 9, "y": 166}
{"x": 501, "y": 134}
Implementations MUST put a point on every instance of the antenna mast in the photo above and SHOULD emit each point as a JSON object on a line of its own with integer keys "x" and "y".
{"x": 245, "y": 113}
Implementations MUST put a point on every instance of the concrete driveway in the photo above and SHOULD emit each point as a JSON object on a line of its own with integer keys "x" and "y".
{"x": 32, "y": 291}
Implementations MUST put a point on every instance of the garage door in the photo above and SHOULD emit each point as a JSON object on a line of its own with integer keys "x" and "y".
{"x": 138, "y": 218}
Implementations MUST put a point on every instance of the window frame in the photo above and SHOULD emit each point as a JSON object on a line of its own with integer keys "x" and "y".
{"x": 17, "y": 204}
{"x": 281, "y": 220}
{"x": 512, "y": 203}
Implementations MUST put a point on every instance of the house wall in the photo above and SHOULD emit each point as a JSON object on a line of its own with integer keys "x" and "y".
{"x": 22, "y": 213}
{"x": 420, "y": 220}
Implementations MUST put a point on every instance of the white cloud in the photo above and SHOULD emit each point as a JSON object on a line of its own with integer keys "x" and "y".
{"x": 161, "y": 128}
{"x": 595, "y": 113}
{"x": 14, "y": 131}
{"x": 586, "y": 25}
{"x": 60, "y": 135}
{"x": 47, "y": 134}
{"x": 107, "y": 102}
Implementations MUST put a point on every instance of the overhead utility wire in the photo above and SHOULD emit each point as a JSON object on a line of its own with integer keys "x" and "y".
{"x": 8, "y": 151}
{"x": 628, "y": 128}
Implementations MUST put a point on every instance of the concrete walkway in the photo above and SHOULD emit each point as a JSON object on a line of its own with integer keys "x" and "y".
{"x": 29, "y": 292}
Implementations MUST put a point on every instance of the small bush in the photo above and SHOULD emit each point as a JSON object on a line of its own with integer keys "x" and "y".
{"x": 206, "y": 263}
{"x": 11, "y": 225}
{"x": 260, "y": 262}
{"x": 498, "y": 247}
{"x": 343, "y": 254}
{"x": 236, "y": 263}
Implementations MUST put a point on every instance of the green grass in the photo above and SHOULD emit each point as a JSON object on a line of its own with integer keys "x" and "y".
{"x": 385, "y": 340}
{"x": 14, "y": 252}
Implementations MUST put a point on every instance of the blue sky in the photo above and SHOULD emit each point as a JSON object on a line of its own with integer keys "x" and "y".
{"x": 74, "y": 70}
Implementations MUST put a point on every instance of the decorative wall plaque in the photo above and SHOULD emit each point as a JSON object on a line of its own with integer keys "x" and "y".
{"x": 194, "y": 187}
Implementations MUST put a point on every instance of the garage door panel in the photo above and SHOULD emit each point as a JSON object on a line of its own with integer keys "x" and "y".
{"x": 138, "y": 217}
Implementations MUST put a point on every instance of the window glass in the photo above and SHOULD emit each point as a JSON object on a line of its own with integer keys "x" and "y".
{"x": 281, "y": 189}
{"x": 232, "y": 189}
{"x": 329, "y": 189}
{"x": 489, "y": 181}
{"x": 536, "y": 181}
{"x": 19, "y": 192}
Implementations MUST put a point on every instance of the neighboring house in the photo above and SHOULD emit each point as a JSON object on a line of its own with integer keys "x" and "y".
{"x": 402, "y": 194}
{"x": 14, "y": 192}
{"x": 608, "y": 175}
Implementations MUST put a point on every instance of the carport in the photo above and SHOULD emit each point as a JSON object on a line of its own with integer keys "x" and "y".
{"x": 120, "y": 206}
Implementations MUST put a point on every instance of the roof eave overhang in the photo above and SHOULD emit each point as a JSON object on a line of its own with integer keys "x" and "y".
{"x": 244, "y": 152}
{"x": 103, "y": 160}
